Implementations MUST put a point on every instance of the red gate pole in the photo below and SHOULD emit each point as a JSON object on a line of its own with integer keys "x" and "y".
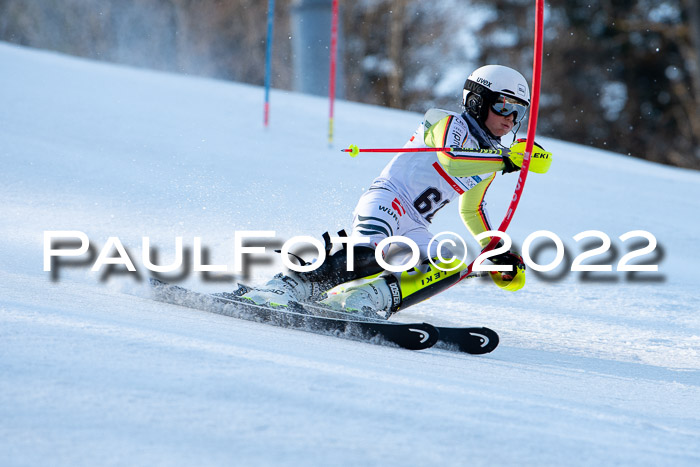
{"x": 531, "y": 129}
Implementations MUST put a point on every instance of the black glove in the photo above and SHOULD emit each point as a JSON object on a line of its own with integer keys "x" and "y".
{"x": 510, "y": 166}
{"x": 509, "y": 258}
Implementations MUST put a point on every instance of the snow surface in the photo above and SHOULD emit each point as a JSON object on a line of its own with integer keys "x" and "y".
{"x": 592, "y": 369}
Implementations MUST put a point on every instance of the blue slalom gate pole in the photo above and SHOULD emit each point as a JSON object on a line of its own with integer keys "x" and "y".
{"x": 332, "y": 60}
{"x": 268, "y": 59}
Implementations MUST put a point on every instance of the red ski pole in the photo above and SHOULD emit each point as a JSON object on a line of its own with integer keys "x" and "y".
{"x": 354, "y": 150}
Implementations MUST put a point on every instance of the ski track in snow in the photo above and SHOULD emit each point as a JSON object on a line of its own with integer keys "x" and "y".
{"x": 591, "y": 370}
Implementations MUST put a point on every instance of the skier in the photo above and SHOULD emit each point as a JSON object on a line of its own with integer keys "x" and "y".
{"x": 408, "y": 193}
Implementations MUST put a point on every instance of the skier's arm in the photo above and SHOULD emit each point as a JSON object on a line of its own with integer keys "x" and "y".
{"x": 453, "y": 132}
{"x": 472, "y": 210}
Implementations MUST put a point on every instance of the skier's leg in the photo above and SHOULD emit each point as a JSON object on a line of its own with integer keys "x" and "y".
{"x": 382, "y": 295}
{"x": 374, "y": 219}
{"x": 388, "y": 293}
{"x": 310, "y": 286}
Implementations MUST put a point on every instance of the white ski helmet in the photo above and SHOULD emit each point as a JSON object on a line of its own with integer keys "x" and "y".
{"x": 486, "y": 84}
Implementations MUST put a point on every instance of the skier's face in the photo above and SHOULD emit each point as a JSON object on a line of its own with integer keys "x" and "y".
{"x": 499, "y": 125}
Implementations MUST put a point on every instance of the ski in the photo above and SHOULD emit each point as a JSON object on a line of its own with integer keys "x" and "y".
{"x": 413, "y": 336}
{"x": 471, "y": 340}
{"x": 321, "y": 319}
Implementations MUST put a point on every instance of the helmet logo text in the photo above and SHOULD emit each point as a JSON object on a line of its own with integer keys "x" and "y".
{"x": 483, "y": 81}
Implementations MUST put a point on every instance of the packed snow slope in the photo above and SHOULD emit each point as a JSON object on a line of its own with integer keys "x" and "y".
{"x": 596, "y": 368}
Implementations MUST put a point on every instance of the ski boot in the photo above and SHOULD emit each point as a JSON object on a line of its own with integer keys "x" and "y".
{"x": 378, "y": 298}
{"x": 282, "y": 289}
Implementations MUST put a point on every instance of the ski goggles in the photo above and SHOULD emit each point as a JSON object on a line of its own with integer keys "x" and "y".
{"x": 505, "y": 106}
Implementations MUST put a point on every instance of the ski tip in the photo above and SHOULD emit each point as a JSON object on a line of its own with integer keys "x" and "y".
{"x": 474, "y": 341}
